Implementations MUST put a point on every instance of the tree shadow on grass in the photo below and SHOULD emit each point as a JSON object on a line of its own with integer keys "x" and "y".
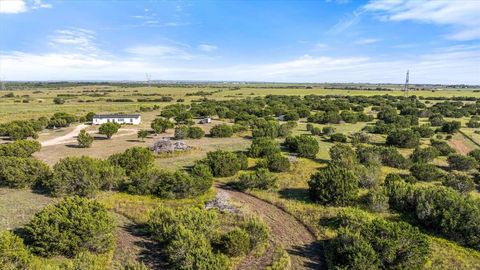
{"x": 314, "y": 252}
{"x": 299, "y": 194}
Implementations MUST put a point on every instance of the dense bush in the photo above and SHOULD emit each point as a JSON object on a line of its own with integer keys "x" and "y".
{"x": 461, "y": 163}
{"x": 20, "y": 148}
{"x": 165, "y": 184}
{"x": 368, "y": 176}
{"x": 135, "y": 158}
{"x": 342, "y": 155}
{"x": 438, "y": 208}
{"x": 388, "y": 156}
{"x": 160, "y": 125}
{"x": 451, "y": 127}
{"x": 261, "y": 178}
{"x": 195, "y": 132}
{"x": 424, "y": 131}
{"x": 327, "y": 130}
{"x": 109, "y": 129}
{"x": 303, "y": 145}
{"x": 223, "y": 163}
{"x": 23, "y": 172}
{"x": 360, "y": 137}
{"x": 338, "y": 137}
{"x": 333, "y": 186}
{"x": 235, "y": 243}
{"x": 475, "y": 154}
{"x": 459, "y": 181}
{"x": 278, "y": 163}
{"x": 72, "y": 225}
{"x": 84, "y": 139}
{"x": 83, "y": 176}
{"x": 186, "y": 235}
{"x": 426, "y": 172}
{"x": 221, "y": 131}
{"x": 404, "y": 138}
{"x": 424, "y": 155}
{"x": 13, "y": 253}
{"x": 263, "y": 146}
{"x": 378, "y": 244}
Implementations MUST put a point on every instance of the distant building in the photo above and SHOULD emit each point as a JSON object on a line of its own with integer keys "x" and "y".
{"x": 205, "y": 120}
{"x": 132, "y": 119}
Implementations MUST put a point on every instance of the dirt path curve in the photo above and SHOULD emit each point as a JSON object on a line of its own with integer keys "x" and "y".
{"x": 71, "y": 136}
{"x": 65, "y": 138}
{"x": 299, "y": 242}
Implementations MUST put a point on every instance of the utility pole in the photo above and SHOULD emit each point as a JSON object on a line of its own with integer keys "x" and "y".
{"x": 405, "y": 88}
{"x": 148, "y": 76}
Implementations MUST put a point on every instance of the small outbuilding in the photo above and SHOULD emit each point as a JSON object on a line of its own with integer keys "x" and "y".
{"x": 132, "y": 119}
{"x": 205, "y": 120}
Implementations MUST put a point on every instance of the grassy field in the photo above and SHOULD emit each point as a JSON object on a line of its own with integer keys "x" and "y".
{"x": 40, "y": 101}
{"x": 18, "y": 206}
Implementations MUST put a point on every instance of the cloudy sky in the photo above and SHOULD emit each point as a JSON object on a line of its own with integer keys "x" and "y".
{"x": 284, "y": 41}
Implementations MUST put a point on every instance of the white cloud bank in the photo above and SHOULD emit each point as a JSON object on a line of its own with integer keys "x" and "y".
{"x": 12, "y": 6}
{"x": 449, "y": 65}
{"x": 19, "y": 6}
{"x": 462, "y": 16}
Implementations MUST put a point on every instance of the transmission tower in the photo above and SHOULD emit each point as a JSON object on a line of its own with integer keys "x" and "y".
{"x": 406, "y": 87}
{"x": 148, "y": 76}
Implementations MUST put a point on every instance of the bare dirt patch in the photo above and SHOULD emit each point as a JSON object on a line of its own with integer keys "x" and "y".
{"x": 302, "y": 246}
{"x": 459, "y": 146}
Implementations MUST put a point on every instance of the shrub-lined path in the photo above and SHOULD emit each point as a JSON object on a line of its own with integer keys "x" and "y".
{"x": 305, "y": 252}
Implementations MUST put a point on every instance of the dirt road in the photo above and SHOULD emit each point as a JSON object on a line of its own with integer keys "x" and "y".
{"x": 65, "y": 138}
{"x": 71, "y": 136}
{"x": 304, "y": 251}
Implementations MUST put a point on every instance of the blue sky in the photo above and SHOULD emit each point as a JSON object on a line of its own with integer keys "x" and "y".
{"x": 284, "y": 41}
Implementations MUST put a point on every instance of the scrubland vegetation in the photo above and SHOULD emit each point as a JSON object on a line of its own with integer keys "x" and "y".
{"x": 380, "y": 181}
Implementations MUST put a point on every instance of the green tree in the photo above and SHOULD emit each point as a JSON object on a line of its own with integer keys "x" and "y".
{"x": 403, "y": 138}
{"x": 142, "y": 134}
{"x": 263, "y": 146}
{"x": 58, "y": 100}
{"x": 84, "y": 139}
{"x": 333, "y": 186}
{"x": 160, "y": 125}
{"x": 278, "y": 163}
{"x": 109, "y": 129}
{"x": 181, "y": 132}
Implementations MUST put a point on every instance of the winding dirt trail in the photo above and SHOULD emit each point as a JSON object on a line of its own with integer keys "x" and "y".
{"x": 299, "y": 242}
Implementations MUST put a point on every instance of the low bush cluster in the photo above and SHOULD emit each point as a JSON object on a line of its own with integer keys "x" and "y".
{"x": 333, "y": 186}
{"x": 20, "y": 148}
{"x": 377, "y": 244}
{"x": 438, "y": 208}
{"x": 258, "y": 179}
{"x": 69, "y": 227}
{"x": 304, "y": 145}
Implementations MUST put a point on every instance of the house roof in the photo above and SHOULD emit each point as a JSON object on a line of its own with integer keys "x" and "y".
{"x": 116, "y": 116}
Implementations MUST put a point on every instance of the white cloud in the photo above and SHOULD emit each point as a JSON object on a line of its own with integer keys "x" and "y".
{"x": 320, "y": 46}
{"x": 37, "y": 4}
{"x": 74, "y": 39}
{"x": 12, "y": 6}
{"x": 457, "y": 64}
{"x": 207, "y": 47}
{"x": 366, "y": 41}
{"x": 159, "y": 51}
{"x": 19, "y": 6}
{"x": 461, "y": 15}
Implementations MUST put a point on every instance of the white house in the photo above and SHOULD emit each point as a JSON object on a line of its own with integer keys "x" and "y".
{"x": 132, "y": 119}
